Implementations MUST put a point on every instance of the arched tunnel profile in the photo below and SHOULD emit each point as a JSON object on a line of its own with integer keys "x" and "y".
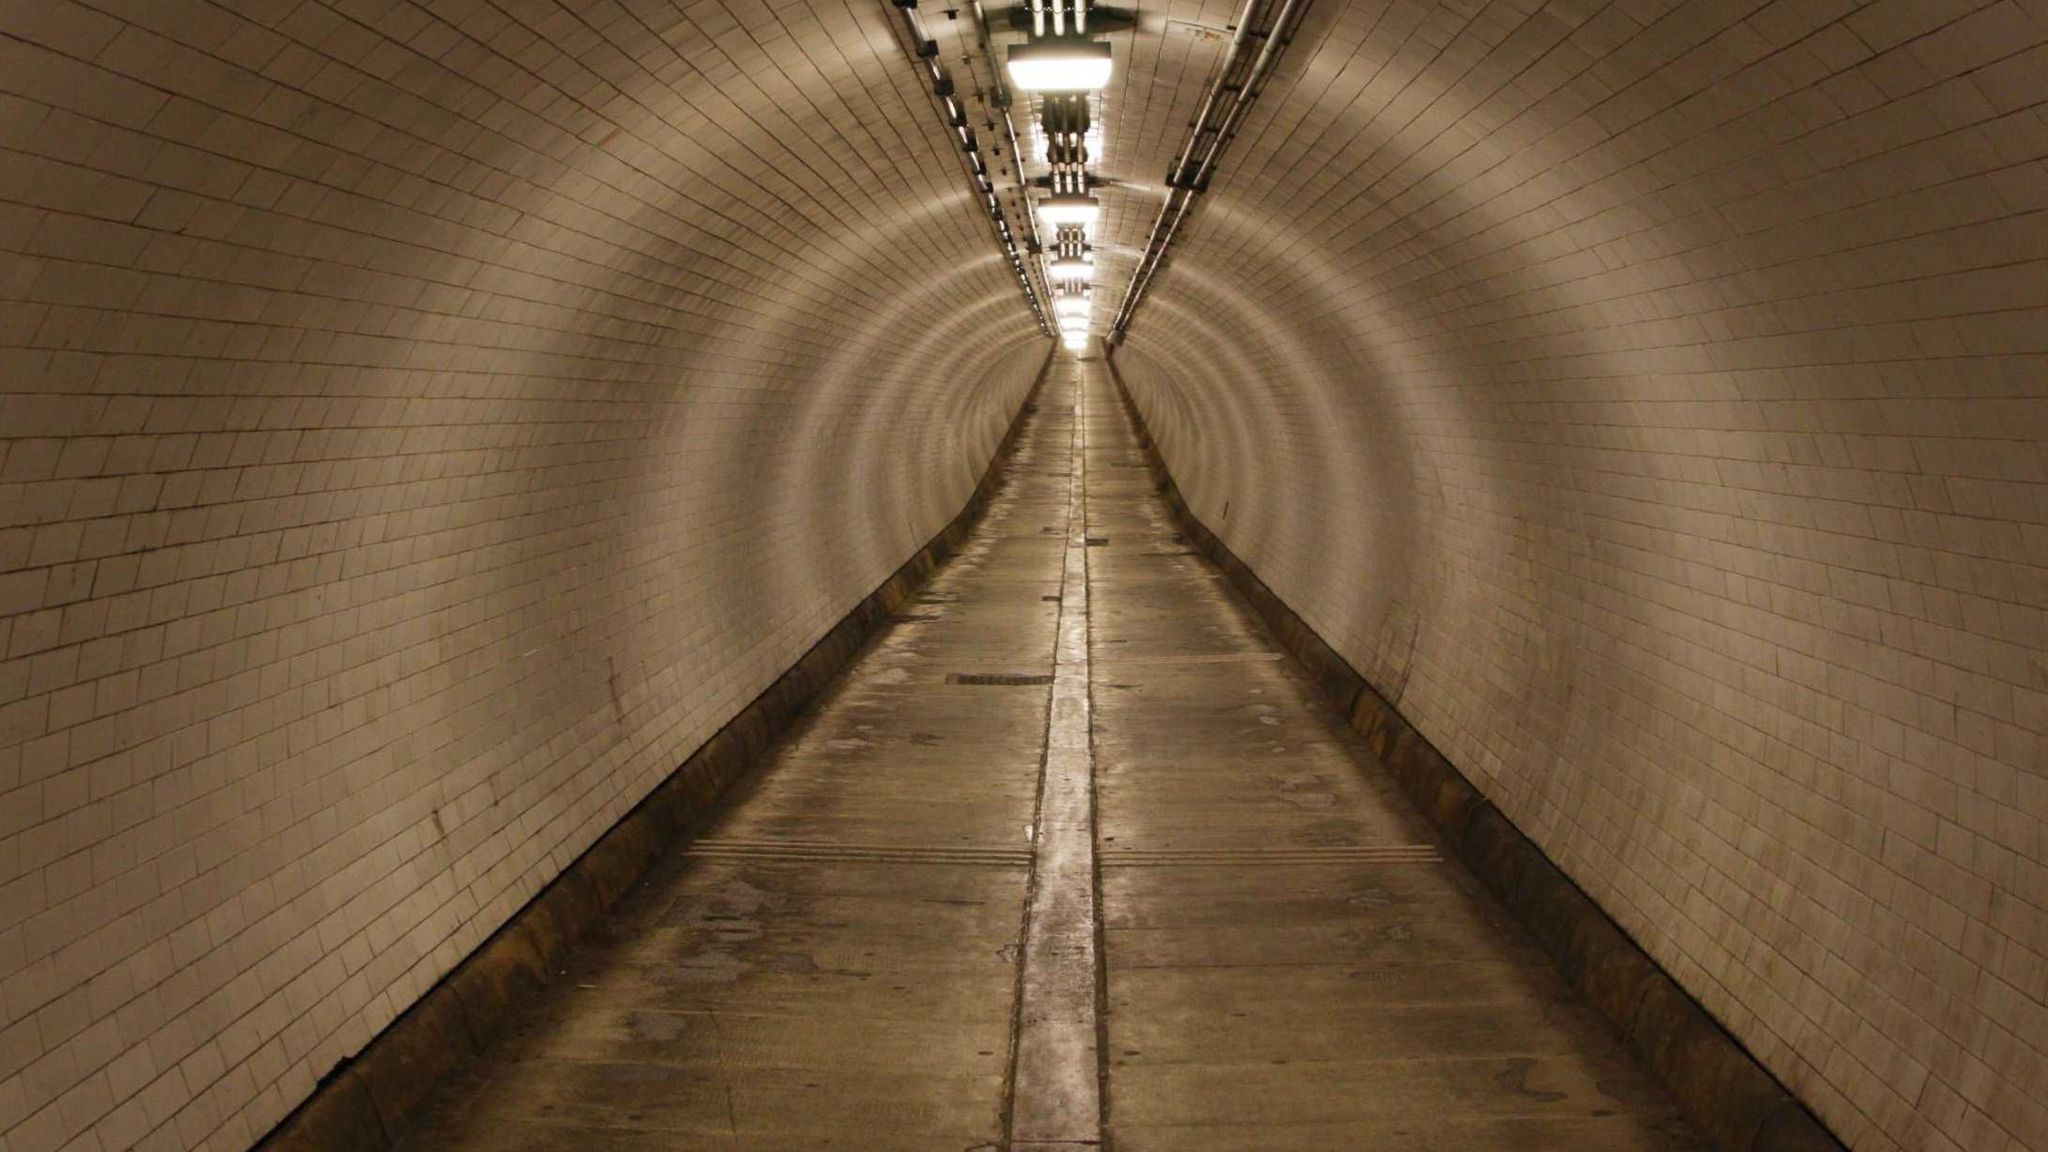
{"x": 1024, "y": 575}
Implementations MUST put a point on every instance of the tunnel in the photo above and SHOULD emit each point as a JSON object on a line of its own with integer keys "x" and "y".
{"x": 1024, "y": 575}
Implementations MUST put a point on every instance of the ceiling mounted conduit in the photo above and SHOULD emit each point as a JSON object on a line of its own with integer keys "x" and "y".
{"x": 1231, "y": 94}
{"x": 925, "y": 51}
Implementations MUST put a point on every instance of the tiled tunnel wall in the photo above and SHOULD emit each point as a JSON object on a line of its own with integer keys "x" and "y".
{"x": 1651, "y": 399}
{"x": 425, "y": 423}
{"x": 427, "y": 420}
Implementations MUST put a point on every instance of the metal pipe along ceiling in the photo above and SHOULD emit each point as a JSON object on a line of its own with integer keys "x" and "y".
{"x": 1224, "y": 104}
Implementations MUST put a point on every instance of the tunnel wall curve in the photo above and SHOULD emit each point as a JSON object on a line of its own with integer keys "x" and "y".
{"x": 424, "y": 425}
{"x": 1651, "y": 401}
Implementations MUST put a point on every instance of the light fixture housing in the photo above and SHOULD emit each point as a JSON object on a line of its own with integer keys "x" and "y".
{"x": 1070, "y": 268}
{"x": 1069, "y": 208}
{"x": 1060, "y": 65}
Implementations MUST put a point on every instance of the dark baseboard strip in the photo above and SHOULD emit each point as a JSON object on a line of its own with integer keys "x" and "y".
{"x": 1732, "y": 1097}
{"x": 367, "y": 1103}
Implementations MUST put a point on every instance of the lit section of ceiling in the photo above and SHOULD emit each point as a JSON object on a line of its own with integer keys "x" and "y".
{"x": 1093, "y": 149}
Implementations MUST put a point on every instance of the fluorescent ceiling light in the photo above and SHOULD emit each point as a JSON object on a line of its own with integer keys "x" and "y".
{"x": 1069, "y": 209}
{"x": 1075, "y": 341}
{"x": 1060, "y": 66}
{"x": 1071, "y": 306}
{"x": 1070, "y": 269}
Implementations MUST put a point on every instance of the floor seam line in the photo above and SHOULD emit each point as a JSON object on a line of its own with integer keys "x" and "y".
{"x": 1056, "y": 1086}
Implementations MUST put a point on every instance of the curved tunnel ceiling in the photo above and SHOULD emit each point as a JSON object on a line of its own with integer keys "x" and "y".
{"x": 1649, "y": 399}
{"x": 429, "y": 421}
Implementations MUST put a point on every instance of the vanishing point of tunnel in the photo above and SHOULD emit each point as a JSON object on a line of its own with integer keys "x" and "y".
{"x": 1024, "y": 575}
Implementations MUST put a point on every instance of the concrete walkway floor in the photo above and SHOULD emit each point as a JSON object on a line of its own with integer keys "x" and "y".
{"x": 1074, "y": 855}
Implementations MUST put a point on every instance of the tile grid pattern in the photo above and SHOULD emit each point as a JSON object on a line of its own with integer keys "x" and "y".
{"x": 424, "y": 423}
{"x": 1291, "y": 961}
{"x": 1648, "y": 399}
{"x": 838, "y": 954}
{"x": 1162, "y": 72}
